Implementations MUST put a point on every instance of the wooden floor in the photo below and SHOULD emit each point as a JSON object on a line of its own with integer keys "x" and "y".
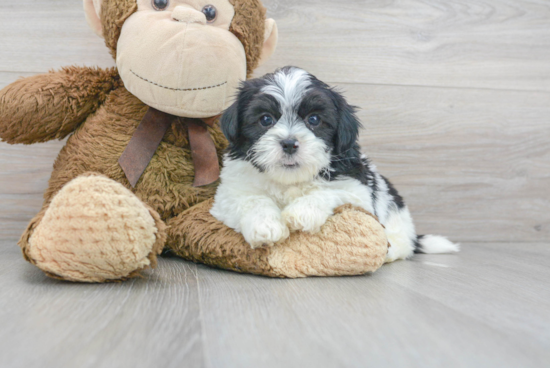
{"x": 455, "y": 99}
{"x": 487, "y": 307}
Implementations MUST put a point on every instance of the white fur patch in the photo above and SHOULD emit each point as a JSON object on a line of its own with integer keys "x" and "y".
{"x": 401, "y": 233}
{"x": 248, "y": 199}
{"x": 312, "y": 156}
{"x": 438, "y": 244}
{"x": 288, "y": 87}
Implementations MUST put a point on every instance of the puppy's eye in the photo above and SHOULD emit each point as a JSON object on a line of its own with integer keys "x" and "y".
{"x": 266, "y": 121}
{"x": 314, "y": 120}
{"x": 210, "y": 12}
{"x": 160, "y": 5}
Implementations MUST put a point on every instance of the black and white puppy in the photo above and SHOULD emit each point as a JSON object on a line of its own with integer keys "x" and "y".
{"x": 294, "y": 157}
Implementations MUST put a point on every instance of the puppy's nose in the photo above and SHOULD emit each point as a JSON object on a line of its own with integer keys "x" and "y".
{"x": 290, "y": 146}
{"x": 188, "y": 15}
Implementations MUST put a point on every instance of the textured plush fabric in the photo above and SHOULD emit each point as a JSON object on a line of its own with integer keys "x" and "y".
{"x": 167, "y": 183}
{"x": 113, "y": 15}
{"x": 94, "y": 227}
{"x": 96, "y": 230}
{"x": 93, "y": 13}
{"x": 195, "y": 69}
{"x": 197, "y": 236}
{"x": 352, "y": 242}
{"x": 51, "y": 106}
{"x": 95, "y": 146}
{"x": 249, "y": 26}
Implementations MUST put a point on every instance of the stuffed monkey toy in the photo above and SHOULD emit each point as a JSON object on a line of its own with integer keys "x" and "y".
{"x": 141, "y": 164}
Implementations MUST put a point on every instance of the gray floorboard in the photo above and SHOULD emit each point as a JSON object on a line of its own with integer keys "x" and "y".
{"x": 488, "y": 306}
{"x": 50, "y": 323}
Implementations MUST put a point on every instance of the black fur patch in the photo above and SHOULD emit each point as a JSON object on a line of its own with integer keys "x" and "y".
{"x": 393, "y": 192}
{"x": 417, "y": 245}
{"x": 239, "y": 123}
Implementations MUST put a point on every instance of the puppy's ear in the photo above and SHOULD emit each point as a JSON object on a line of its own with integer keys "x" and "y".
{"x": 230, "y": 122}
{"x": 347, "y": 132}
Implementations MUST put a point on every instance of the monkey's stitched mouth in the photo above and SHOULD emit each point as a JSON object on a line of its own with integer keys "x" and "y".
{"x": 178, "y": 89}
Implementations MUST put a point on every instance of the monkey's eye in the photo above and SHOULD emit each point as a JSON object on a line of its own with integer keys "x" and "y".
{"x": 211, "y": 13}
{"x": 314, "y": 120}
{"x": 160, "y": 5}
{"x": 266, "y": 121}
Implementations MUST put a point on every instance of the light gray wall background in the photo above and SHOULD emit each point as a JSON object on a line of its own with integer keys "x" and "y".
{"x": 454, "y": 96}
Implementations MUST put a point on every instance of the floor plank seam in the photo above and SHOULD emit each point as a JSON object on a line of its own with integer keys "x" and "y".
{"x": 201, "y": 318}
{"x": 491, "y": 89}
{"x": 473, "y": 88}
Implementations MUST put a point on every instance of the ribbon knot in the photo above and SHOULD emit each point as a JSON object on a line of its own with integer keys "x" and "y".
{"x": 150, "y": 132}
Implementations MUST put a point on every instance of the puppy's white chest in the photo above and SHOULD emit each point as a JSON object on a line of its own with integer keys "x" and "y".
{"x": 292, "y": 193}
{"x": 288, "y": 194}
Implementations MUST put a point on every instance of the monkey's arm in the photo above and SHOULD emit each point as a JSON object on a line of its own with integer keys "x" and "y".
{"x": 51, "y": 106}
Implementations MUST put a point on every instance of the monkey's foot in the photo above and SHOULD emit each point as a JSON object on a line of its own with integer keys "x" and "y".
{"x": 96, "y": 230}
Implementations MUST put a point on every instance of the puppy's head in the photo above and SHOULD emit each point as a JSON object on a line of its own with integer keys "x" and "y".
{"x": 290, "y": 126}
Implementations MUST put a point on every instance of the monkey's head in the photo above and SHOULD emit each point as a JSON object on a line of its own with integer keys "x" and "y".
{"x": 184, "y": 57}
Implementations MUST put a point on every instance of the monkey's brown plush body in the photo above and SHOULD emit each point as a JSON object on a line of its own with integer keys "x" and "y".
{"x": 95, "y": 227}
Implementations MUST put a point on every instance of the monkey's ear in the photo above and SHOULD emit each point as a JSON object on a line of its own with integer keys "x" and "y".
{"x": 271, "y": 37}
{"x": 93, "y": 10}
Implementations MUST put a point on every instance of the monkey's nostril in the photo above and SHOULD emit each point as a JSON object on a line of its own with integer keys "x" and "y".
{"x": 290, "y": 146}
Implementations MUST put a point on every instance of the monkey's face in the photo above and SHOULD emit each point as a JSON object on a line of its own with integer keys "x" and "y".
{"x": 179, "y": 56}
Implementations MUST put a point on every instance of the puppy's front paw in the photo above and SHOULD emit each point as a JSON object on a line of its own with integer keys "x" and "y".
{"x": 265, "y": 232}
{"x": 305, "y": 218}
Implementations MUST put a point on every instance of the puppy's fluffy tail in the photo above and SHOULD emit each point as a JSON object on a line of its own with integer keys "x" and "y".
{"x": 430, "y": 244}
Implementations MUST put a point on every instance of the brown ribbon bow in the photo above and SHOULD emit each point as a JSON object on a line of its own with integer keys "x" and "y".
{"x": 150, "y": 132}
